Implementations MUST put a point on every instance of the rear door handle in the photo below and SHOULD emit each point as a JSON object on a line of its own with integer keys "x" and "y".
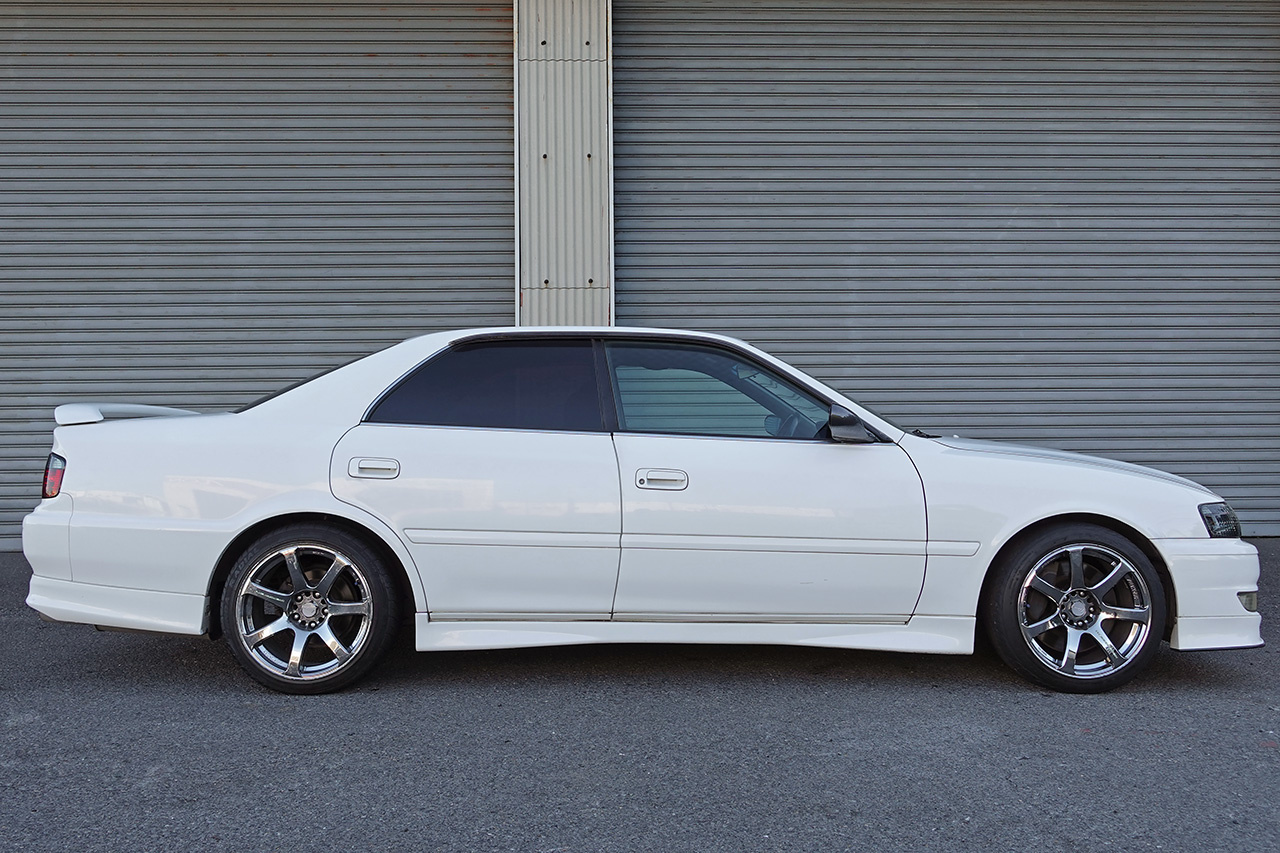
{"x": 374, "y": 469}
{"x": 668, "y": 479}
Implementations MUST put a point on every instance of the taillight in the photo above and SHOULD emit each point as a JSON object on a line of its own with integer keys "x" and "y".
{"x": 53, "y": 471}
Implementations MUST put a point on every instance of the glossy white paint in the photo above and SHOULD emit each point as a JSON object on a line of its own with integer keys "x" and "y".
{"x": 990, "y": 492}
{"x": 157, "y": 501}
{"x": 155, "y": 492}
{"x": 522, "y": 538}
{"x": 933, "y": 634}
{"x": 1202, "y": 633}
{"x": 1208, "y": 575}
{"x": 768, "y": 526}
{"x": 520, "y": 522}
{"x": 90, "y": 413}
{"x": 118, "y": 607}
{"x": 46, "y": 538}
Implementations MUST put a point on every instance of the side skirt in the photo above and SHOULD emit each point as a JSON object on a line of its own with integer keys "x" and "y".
{"x": 945, "y": 635}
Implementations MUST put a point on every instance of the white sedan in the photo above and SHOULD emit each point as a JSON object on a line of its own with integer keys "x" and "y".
{"x": 538, "y": 487}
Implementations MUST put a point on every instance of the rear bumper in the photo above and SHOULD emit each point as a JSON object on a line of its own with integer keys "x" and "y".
{"x": 46, "y": 538}
{"x": 1208, "y": 575}
{"x": 53, "y": 592}
{"x": 117, "y": 607}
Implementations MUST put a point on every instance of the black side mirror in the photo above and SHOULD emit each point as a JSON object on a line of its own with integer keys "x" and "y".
{"x": 848, "y": 428}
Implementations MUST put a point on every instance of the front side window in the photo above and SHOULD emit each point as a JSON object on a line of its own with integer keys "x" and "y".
{"x": 699, "y": 390}
{"x": 546, "y": 385}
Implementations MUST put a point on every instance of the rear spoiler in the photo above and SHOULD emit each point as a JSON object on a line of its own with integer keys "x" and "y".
{"x": 91, "y": 413}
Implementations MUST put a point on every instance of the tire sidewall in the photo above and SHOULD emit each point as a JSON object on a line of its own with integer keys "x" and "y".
{"x": 1001, "y": 606}
{"x": 382, "y": 619}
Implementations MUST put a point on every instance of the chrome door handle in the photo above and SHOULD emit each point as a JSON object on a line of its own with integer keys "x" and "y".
{"x": 374, "y": 469}
{"x": 668, "y": 479}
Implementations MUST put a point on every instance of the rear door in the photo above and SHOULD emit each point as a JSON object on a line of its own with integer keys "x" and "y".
{"x": 492, "y": 463}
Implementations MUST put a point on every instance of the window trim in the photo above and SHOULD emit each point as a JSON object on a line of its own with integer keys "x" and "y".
{"x": 604, "y": 381}
{"x": 604, "y": 387}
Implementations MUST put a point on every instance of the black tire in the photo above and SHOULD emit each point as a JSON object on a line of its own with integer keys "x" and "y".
{"x": 309, "y": 608}
{"x": 1075, "y": 586}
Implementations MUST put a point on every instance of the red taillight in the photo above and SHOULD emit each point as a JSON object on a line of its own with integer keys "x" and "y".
{"x": 53, "y": 471}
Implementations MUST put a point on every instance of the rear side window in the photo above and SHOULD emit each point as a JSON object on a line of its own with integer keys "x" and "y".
{"x": 548, "y": 385}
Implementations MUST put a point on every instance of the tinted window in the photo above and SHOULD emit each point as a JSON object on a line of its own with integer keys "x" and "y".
{"x": 508, "y": 384}
{"x": 695, "y": 390}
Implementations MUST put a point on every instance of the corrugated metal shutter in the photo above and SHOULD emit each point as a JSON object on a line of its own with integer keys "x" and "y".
{"x": 1049, "y": 222}
{"x": 199, "y": 204}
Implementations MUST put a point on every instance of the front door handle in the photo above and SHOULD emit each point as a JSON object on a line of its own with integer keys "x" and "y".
{"x": 668, "y": 479}
{"x": 374, "y": 469}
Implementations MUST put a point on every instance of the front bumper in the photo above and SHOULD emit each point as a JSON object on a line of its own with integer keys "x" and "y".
{"x": 1208, "y": 575}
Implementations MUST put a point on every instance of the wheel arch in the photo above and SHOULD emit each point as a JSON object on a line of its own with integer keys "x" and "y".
{"x": 222, "y": 569}
{"x": 1139, "y": 541}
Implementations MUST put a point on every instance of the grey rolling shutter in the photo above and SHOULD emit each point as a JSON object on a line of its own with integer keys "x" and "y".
{"x": 202, "y": 203}
{"x": 1048, "y": 222}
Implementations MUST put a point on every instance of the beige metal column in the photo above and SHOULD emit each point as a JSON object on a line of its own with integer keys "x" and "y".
{"x": 564, "y": 197}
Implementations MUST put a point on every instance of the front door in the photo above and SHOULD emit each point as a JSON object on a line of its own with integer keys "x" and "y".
{"x": 736, "y": 508}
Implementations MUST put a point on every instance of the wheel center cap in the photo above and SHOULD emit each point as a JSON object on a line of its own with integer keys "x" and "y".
{"x": 1078, "y": 610}
{"x": 308, "y": 610}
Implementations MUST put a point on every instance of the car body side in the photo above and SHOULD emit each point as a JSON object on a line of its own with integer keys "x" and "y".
{"x": 1159, "y": 512}
{"x": 151, "y": 508}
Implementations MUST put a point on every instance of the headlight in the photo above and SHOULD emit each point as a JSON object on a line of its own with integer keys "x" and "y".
{"x": 1220, "y": 520}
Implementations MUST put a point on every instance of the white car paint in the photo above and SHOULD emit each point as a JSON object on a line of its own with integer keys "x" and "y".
{"x": 164, "y": 497}
{"x": 763, "y": 531}
{"x": 91, "y": 413}
{"x": 1035, "y": 484}
{"x": 515, "y": 524}
{"x": 941, "y": 635}
{"x": 150, "y": 507}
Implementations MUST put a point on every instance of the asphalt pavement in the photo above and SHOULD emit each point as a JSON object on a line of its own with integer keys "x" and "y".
{"x": 116, "y": 741}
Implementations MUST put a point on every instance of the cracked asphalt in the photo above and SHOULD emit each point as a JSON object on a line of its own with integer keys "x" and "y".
{"x": 136, "y": 742}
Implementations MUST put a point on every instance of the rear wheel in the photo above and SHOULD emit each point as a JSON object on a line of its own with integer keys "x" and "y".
{"x": 1077, "y": 608}
{"x": 308, "y": 609}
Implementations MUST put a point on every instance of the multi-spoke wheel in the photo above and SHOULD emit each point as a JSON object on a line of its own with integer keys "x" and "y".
{"x": 1078, "y": 608}
{"x": 308, "y": 609}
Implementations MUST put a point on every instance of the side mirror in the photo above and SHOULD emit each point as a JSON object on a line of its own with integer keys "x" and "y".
{"x": 848, "y": 428}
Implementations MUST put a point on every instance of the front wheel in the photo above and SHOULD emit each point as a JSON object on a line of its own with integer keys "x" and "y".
{"x": 308, "y": 609}
{"x": 1078, "y": 608}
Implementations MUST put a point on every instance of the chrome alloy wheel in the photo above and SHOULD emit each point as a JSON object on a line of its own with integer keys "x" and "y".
{"x": 303, "y": 612}
{"x": 1085, "y": 611}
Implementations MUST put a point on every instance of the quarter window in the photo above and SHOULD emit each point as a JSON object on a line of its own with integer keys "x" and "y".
{"x": 547, "y": 385}
{"x": 697, "y": 390}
